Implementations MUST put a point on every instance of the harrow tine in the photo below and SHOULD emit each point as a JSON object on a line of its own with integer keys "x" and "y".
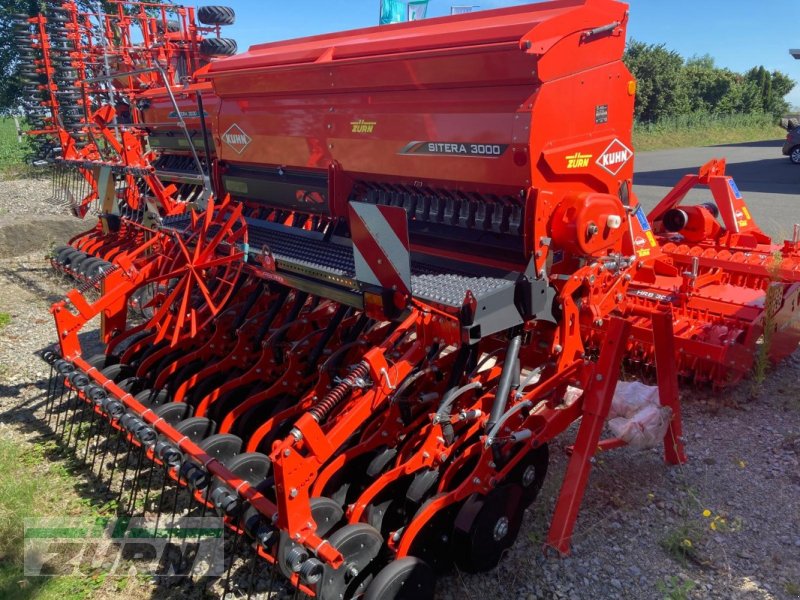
{"x": 51, "y": 385}
{"x": 105, "y": 434}
{"x": 136, "y": 474}
{"x": 64, "y": 414}
{"x": 234, "y": 553}
{"x": 77, "y": 415}
{"x": 56, "y": 405}
{"x": 161, "y": 498}
{"x": 178, "y": 490}
{"x": 251, "y": 579}
{"x": 120, "y": 436}
{"x": 148, "y": 487}
{"x": 51, "y": 397}
{"x": 121, "y": 492}
{"x": 91, "y": 433}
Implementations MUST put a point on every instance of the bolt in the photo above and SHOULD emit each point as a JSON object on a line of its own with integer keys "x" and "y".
{"x": 500, "y": 529}
{"x": 352, "y": 571}
{"x": 293, "y": 493}
{"x": 476, "y": 481}
{"x": 287, "y": 452}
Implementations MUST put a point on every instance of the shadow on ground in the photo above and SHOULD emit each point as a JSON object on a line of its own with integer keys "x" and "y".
{"x": 773, "y": 176}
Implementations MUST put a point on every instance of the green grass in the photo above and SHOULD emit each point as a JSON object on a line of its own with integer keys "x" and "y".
{"x": 675, "y": 588}
{"x": 701, "y": 129}
{"x": 5, "y": 319}
{"x": 32, "y": 486}
{"x": 12, "y": 152}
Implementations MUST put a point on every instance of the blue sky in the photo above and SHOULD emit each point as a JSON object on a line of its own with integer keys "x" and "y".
{"x": 739, "y": 34}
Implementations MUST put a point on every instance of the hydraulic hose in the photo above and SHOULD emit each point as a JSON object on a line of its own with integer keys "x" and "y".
{"x": 443, "y": 413}
{"x": 509, "y": 373}
{"x": 330, "y": 330}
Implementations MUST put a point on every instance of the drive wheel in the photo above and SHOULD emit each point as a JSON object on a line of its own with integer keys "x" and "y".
{"x": 794, "y": 155}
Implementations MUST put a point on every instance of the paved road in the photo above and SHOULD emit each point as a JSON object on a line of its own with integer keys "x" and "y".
{"x": 768, "y": 181}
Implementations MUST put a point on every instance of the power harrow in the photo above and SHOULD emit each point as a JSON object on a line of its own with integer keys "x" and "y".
{"x": 411, "y": 258}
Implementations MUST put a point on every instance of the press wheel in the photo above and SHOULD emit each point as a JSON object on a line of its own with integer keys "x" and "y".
{"x": 326, "y": 514}
{"x": 486, "y": 527}
{"x": 432, "y": 543}
{"x": 359, "y": 544}
{"x": 530, "y": 473}
{"x": 408, "y": 578}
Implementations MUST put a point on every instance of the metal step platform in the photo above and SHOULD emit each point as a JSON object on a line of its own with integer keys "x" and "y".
{"x": 330, "y": 261}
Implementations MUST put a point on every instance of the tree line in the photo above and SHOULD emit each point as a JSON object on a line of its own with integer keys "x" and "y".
{"x": 669, "y": 85}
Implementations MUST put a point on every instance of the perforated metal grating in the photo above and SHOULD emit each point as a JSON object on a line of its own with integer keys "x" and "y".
{"x": 303, "y": 252}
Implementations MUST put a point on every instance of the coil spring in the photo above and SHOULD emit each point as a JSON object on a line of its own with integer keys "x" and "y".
{"x": 92, "y": 283}
{"x": 323, "y": 408}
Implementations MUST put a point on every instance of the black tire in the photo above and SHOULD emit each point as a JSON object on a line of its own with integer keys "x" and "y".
{"x": 218, "y": 47}
{"x": 794, "y": 155}
{"x": 172, "y": 26}
{"x": 216, "y": 15}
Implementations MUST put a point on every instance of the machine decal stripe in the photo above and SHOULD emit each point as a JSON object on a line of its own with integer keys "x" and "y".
{"x": 380, "y": 239}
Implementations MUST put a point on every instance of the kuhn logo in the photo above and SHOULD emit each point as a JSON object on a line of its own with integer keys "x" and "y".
{"x": 614, "y": 157}
{"x": 236, "y": 138}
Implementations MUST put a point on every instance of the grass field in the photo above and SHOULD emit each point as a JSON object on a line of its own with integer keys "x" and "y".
{"x": 50, "y": 492}
{"x": 12, "y": 152}
{"x": 692, "y": 130}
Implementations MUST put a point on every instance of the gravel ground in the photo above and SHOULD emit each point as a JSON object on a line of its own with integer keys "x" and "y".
{"x": 641, "y": 533}
{"x": 26, "y": 226}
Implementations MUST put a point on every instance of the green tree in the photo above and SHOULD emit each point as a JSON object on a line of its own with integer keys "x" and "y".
{"x": 10, "y": 81}
{"x": 772, "y": 89}
{"x": 661, "y": 88}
